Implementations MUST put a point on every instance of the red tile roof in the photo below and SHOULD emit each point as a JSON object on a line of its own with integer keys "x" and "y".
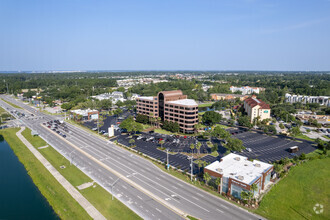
{"x": 253, "y": 102}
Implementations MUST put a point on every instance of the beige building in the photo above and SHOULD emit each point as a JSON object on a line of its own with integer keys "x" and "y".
{"x": 256, "y": 108}
{"x": 220, "y": 96}
{"x": 170, "y": 106}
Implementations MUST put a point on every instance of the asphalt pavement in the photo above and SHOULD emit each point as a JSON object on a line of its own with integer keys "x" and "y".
{"x": 143, "y": 187}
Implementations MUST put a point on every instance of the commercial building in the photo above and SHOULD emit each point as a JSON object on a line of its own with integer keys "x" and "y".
{"x": 170, "y": 106}
{"x": 220, "y": 96}
{"x": 114, "y": 96}
{"x": 256, "y": 108}
{"x": 237, "y": 174}
{"x": 87, "y": 114}
{"x": 247, "y": 89}
{"x": 322, "y": 100}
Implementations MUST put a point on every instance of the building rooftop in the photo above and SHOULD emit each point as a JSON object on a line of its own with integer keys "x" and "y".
{"x": 83, "y": 112}
{"x": 253, "y": 102}
{"x": 184, "y": 102}
{"x": 146, "y": 97}
{"x": 239, "y": 168}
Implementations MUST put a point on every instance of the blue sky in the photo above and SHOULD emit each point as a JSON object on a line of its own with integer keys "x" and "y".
{"x": 165, "y": 35}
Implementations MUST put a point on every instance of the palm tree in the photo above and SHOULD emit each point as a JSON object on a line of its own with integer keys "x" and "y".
{"x": 218, "y": 182}
{"x": 161, "y": 143}
{"x": 254, "y": 188}
{"x": 131, "y": 141}
{"x": 207, "y": 178}
{"x": 192, "y": 147}
{"x": 151, "y": 118}
{"x": 158, "y": 120}
{"x": 198, "y": 147}
{"x": 245, "y": 196}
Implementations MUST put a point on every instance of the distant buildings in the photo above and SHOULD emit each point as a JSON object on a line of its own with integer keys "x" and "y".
{"x": 219, "y": 96}
{"x": 322, "y": 100}
{"x": 170, "y": 106}
{"x": 114, "y": 96}
{"x": 237, "y": 174}
{"x": 247, "y": 89}
{"x": 256, "y": 108}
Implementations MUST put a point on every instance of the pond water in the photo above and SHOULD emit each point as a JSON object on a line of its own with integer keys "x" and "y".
{"x": 19, "y": 197}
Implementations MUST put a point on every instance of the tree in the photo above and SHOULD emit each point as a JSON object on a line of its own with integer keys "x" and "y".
{"x": 220, "y": 132}
{"x": 246, "y": 196}
{"x": 254, "y": 188}
{"x": 218, "y": 182}
{"x": 144, "y": 119}
{"x": 130, "y": 125}
{"x": 211, "y": 117}
{"x": 198, "y": 146}
{"x": 234, "y": 144}
{"x": 131, "y": 141}
{"x": 244, "y": 121}
{"x": 158, "y": 120}
{"x": 162, "y": 142}
{"x": 295, "y": 131}
{"x": 192, "y": 147}
{"x": 281, "y": 126}
{"x": 207, "y": 178}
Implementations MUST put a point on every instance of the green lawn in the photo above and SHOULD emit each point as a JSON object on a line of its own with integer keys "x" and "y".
{"x": 295, "y": 195}
{"x": 61, "y": 201}
{"x": 206, "y": 104}
{"x": 301, "y": 136}
{"x": 99, "y": 197}
{"x": 15, "y": 106}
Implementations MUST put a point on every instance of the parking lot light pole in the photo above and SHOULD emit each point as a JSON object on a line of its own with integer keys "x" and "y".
{"x": 191, "y": 167}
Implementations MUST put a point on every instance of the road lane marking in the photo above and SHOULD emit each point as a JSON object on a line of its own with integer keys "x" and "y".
{"x": 158, "y": 210}
{"x": 139, "y": 197}
{"x": 220, "y": 210}
{"x": 224, "y": 206}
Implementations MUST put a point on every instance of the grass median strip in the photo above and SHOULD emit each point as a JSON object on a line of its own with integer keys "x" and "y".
{"x": 61, "y": 201}
{"x": 9, "y": 103}
{"x": 96, "y": 195}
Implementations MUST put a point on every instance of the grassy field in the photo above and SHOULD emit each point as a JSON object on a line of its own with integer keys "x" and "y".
{"x": 99, "y": 197}
{"x": 301, "y": 136}
{"x": 206, "y": 104}
{"x": 61, "y": 201}
{"x": 295, "y": 196}
{"x": 15, "y": 106}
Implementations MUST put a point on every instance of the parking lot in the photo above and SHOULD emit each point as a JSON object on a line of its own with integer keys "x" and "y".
{"x": 148, "y": 144}
{"x": 269, "y": 148}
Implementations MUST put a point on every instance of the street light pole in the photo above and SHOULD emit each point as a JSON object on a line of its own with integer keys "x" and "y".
{"x": 167, "y": 159}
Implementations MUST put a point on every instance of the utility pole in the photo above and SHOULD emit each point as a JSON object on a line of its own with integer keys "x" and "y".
{"x": 98, "y": 129}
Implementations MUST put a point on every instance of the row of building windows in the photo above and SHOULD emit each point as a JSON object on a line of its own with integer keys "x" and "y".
{"x": 180, "y": 120}
{"x": 144, "y": 101}
{"x": 180, "y": 107}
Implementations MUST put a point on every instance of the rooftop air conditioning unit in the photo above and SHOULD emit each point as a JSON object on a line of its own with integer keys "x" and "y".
{"x": 237, "y": 158}
{"x": 257, "y": 165}
{"x": 240, "y": 177}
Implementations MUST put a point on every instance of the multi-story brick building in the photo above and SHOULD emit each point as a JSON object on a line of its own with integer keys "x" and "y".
{"x": 256, "y": 108}
{"x": 170, "y": 106}
{"x": 237, "y": 174}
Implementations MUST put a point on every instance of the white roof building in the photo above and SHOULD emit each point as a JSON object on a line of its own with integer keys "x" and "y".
{"x": 238, "y": 174}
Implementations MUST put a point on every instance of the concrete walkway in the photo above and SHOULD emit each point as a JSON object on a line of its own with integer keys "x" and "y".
{"x": 85, "y": 204}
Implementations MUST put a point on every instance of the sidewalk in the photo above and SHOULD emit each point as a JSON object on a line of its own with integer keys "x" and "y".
{"x": 85, "y": 204}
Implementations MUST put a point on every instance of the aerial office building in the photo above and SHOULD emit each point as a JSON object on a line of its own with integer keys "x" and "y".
{"x": 170, "y": 106}
{"x": 237, "y": 174}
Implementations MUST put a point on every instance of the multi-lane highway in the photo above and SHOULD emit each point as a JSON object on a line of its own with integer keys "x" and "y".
{"x": 143, "y": 187}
